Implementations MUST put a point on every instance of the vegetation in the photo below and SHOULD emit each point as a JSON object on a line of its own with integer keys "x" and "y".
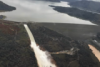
{"x": 52, "y": 41}
{"x": 15, "y": 48}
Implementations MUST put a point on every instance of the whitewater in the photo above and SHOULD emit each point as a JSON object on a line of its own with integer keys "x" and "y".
{"x": 41, "y": 56}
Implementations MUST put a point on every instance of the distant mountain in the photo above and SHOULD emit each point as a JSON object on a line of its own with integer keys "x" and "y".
{"x": 90, "y": 5}
{"x": 5, "y": 7}
{"x": 69, "y": 0}
{"x": 48, "y": 0}
{"x": 72, "y": 0}
{"x": 52, "y": 0}
{"x": 80, "y": 0}
{"x": 82, "y": 14}
{"x": 86, "y": 5}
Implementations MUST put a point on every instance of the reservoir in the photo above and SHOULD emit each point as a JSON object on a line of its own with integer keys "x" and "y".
{"x": 39, "y": 11}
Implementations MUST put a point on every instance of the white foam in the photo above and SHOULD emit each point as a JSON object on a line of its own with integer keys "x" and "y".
{"x": 41, "y": 56}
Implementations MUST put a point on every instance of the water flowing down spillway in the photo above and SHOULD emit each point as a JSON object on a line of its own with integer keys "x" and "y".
{"x": 41, "y": 56}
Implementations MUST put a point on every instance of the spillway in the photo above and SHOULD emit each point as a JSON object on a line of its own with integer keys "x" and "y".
{"x": 41, "y": 56}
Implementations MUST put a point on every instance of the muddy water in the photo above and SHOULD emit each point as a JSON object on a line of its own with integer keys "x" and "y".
{"x": 95, "y": 52}
{"x": 41, "y": 56}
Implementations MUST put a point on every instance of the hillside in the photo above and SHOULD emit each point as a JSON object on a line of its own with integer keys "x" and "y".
{"x": 5, "y": 7}
{"x": 52, "y": 0}
{"x": 78, "y": 13}
{"x": 89, "y": 5}
{"x": 15, "y": 48}
{"x": 52, "y": 41}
